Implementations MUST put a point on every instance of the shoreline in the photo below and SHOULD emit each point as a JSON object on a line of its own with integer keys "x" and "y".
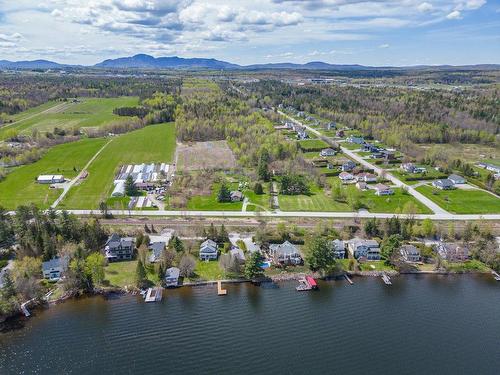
{"x": 107, "y": 291}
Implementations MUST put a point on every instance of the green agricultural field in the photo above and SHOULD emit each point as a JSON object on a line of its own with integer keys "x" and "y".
{"x": 20, "y": 187}
{"x": 92, "y": 112}
{"x": 461, "y": 201}
{"x": 154, "y": 143}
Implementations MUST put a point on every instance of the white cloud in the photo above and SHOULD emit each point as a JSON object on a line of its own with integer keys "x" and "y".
{"x": 56, "y": 13}
{"x": 425, "y": 7}
{"x": 385, "y": 45}
{"x": 474, "y": 4}
{"x": 455, "y": 15}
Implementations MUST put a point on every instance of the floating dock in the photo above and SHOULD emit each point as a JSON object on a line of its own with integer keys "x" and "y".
{"x": 154, "y": 294}
{"x": 495, "y": 275}
{"x": 348, "y": 279}
{"x": 306, "y": 283}
{"x": 220, "y": 291}
{"x": 386, "y": 279}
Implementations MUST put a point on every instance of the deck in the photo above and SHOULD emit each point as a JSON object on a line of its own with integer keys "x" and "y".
{"x": 220, "y": 291}
{"x": 154, "y": 294}
{"x": 386, "y": 279}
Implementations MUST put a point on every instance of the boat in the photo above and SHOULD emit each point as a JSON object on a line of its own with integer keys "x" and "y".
{"x": 495, "y": 275}
{"x": 386, "y": 279}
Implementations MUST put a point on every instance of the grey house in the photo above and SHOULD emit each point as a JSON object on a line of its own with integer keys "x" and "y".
{"x": 55, "y": 268}
{"x": 453, "y": 252}
{"x": 444, "y": 184}
{"x": 338, "y": 248}
{"x": 208, "y": 250}
{"x": 368, "y": 249}
{"x": 119, "y": 248}
{"x": 285, "y": 253}
{"x": 156, "y": 250}
{"x": 172, "y": 277}
{"x": 456, "y": 179}
{"x": 410, "y": 253}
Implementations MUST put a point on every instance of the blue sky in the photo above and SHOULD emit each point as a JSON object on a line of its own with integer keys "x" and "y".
{"x": 377, "y": 32}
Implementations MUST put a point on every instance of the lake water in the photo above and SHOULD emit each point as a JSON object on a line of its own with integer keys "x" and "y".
{"x": 419, "y": 325}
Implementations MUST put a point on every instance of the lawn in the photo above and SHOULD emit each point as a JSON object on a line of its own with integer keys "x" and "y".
{"x": 431, "y": 174}
{"x": 391, "y": 203}
{"x": 467, "y": 266}
{"x": 93, "y": 112}
{"x": 121, "y": 274}
{"x": 208, "y": 271}
{"x": 375, "y": 266}
{"x": 210, "y": 203}
{"x": 20, "y": 187}
{"x": 316, "y": 201}
{"x": 154, "y": 143}
{"x": 461, "y": 201}
{"x": 309, "y": 145}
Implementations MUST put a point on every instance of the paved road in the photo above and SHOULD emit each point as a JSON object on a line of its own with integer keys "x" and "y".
{"x": 74, "y": 181}
{"x": 283, "y": 214}
{"x": 397, "y": 182}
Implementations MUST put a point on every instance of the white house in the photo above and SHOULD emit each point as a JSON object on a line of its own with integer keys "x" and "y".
{"x": 346, "y": 177}
{"x": 327, "y": 152}
{"x": 50, "y": 179}
{"x": 338, "y": 248}
{"x": 356, "y": 140}
{"x": 381, "y": 189}
{"x": 285, "y": 253}
{"x": 208, "y": 250}
{"x": 55, "y": 268}
{"x": 236, "y": 196}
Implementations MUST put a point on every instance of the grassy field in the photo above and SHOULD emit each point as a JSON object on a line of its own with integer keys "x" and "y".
{"x": 210, "y": 203}
{"x": 20, "y": 187}
{"x": 431, "y": 174}
{"x": 391, "y": 203}
{"x": 208, "y": 271}
{"x": 466, "y": 152}
{"x": 462, "y": 201}
{"x": 154, "y": 143}
{"x": 312, "y": 145}
{"x": 316, "y": 201}
{"x": 92, "y": 112}
{"x": 121, "y": 274}
{"x": 375, "y": 266}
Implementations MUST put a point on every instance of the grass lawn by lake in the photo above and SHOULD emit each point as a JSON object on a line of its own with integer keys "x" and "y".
{"x": 88, "y": 112}
{"x": 121, "y": 274}
{"x": 461, "y": 201}
{"x": 19, "y": 187}
{"x": 208, "y": 271}
{"x": 154, "y": 143}
{"x": 467, "y": 266}
{"x": 375, "y": 266}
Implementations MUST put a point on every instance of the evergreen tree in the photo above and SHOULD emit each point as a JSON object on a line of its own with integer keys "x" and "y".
{"x": 253, "y": 270}
{"x": 223, "y": 235}
{"x": 8, "y": 289}
{"x": 140, "y": 275}
{"x": 130, "y": 188}
{"x": 224, "y": 194}
{"x": 262, "y": 167}
{"x": 212, "y": 233}
{"x": 258, "y": 189}
{"x": 390, "y": 246}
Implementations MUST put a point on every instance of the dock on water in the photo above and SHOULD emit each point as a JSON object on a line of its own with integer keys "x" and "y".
{"x": 306, "y": 283}
{"x": 348, "y": 279}
{"x": 386, "y": 279}
{"x": 220, "y": 291}
{"x": 495, "y": 275}
{"x": 154, "y": 294}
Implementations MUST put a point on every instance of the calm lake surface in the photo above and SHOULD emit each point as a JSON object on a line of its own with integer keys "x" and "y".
{"x": 419, "y": 325}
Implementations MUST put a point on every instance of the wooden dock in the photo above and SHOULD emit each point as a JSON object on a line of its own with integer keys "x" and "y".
{"x": 495, "y": 275}
{"x": 154, "y": 294}
{"x": 386, "y": 279}
{"x": 348, "y": 279}
{"x": 220, "y": 291}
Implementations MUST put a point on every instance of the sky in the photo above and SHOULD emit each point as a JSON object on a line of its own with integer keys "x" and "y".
{"x": 371, "y": 32}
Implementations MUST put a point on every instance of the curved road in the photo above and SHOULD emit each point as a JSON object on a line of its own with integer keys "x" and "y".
{"x": 419, "y": 196}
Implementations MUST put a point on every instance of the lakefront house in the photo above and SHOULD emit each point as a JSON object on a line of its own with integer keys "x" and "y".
{"x": 285, "y": 253}
{"x": 368, "y": 249}
{"x": 208, "y": 250}
{"x": 119, "y": 248}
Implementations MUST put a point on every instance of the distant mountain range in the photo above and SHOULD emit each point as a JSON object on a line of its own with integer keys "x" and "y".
{"x": 142, "y": 61}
